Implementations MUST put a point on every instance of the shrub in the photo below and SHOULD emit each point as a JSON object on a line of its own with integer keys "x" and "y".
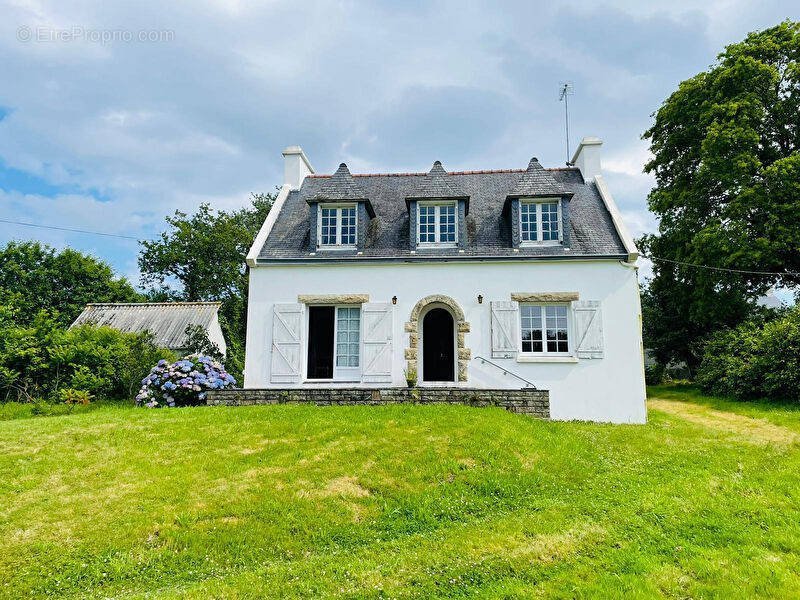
{"x": 39, "y": 360}
{"x": 755, "y": 360}
{"x": 74, "y": 397}
{"x": 654, "y": 374}
{"x": 184, "y": 382}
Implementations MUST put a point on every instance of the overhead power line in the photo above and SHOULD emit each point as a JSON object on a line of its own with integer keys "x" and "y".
{"x": 116, "y": 235}
{"x": 653, "y": 258}
{"x": 725, "y": 269}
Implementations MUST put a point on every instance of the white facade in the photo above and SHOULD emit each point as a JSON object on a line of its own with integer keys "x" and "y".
{"x": 610, "y": 388}
{"x": 599, "y": 376}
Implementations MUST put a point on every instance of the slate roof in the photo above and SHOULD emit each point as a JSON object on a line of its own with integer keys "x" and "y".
{"x": 591, "y": 230}
{"x": 167, "y": 321}
{"x": 437, "y": 184}
{"x": 536, "y": 183}
{"x": 341, "y": 186}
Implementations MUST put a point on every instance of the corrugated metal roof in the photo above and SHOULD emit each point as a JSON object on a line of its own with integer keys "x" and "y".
{"x": 167, "y": 321}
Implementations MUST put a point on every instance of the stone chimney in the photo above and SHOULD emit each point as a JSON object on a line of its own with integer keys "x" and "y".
{"x": 296, "y": 167}
{"x": 587, "y": 157}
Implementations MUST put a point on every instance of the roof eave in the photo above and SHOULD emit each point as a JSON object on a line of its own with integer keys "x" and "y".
{"x": 334, "y": 259}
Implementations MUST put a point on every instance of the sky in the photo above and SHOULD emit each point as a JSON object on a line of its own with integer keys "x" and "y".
{"x": 115, "y": 114}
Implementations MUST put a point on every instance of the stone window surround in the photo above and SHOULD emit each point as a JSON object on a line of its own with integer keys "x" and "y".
{"x": 414, "y": 329}
{"x": 544, "y": 296}
{"x": 323, "y": 299}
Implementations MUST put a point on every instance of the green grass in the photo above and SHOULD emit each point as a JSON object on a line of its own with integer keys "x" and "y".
{"x": 402, "y": 502}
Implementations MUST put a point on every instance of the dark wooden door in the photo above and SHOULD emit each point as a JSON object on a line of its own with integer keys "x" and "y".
{"x": 438, "y": 346}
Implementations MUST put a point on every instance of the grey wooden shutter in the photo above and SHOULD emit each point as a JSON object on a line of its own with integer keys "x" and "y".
{"x": 287, "y": 337}
{"x": 505, "y": 325}
{"x": 588, "y": 329}
{"x": 377, "y": 329}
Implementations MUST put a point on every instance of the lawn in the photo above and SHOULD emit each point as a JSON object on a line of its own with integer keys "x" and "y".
{"x": 402, "y": 502}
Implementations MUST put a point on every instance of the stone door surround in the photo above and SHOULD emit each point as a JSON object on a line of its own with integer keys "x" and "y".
{"x": 414, "y": 331}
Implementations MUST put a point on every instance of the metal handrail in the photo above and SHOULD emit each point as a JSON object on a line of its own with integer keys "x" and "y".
{"x": 506, "y": 371}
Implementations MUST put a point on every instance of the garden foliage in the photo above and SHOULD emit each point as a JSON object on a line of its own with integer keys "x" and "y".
{"x": 755, "y": 360}
{"x": 43, "y": 361}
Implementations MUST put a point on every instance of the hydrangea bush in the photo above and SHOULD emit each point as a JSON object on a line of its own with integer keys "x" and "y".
{"x": 184, "y": 382}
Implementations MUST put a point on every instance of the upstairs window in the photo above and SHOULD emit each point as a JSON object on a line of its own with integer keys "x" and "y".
{"x": 437, "y": 224}
{"x": 337, "y": 226}
{"x": 540, "y": 222}
{"x": 545, "y": 329}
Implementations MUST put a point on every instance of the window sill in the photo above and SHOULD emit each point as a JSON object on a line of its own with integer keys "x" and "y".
{"x": 540, "y": 244}
{"x": 547, "y": 359}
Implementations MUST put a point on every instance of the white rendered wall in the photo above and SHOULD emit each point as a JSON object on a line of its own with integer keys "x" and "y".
{"x": 607, "y": 389}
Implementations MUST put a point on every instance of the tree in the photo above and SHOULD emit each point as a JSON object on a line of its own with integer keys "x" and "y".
{"x": 202, "y": 258}
{"x": 726, "y": 158}
{"x": 39, "y": 278}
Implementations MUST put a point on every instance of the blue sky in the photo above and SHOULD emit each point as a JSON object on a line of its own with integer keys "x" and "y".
{"x": 112, "y": 135}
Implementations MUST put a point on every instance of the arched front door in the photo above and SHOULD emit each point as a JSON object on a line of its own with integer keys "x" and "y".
{"x": 438, "y": 346}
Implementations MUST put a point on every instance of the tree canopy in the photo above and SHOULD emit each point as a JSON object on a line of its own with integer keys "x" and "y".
{"x": 726, "y": 158}
{"x": 201, "y": 257}
{"x": 35, "y": 277}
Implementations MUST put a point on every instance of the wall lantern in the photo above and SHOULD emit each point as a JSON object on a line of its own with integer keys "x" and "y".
{"x": 394, "y": 299}
{"x": 480, "y": 299}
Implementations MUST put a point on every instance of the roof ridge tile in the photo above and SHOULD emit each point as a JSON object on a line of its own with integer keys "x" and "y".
{"x": 411, "y": 174}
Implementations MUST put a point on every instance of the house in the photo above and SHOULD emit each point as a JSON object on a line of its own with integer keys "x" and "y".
{"x": 167, "y": 321}
{"x": 472, "y": 280}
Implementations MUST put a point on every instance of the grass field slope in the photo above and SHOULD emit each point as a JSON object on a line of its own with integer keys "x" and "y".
{"x": 402, "y": 502}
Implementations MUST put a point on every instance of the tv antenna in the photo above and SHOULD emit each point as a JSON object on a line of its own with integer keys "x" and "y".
{"x": 565, "y": 90}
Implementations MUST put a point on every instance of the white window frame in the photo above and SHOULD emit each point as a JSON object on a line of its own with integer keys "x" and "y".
{"x": 350, "y": 374}
{"x": 570, "y": 330}
{"x": 338, "y": 208}
{"x": 538, "y": 202}
{"x": 347, "y": 373}
{"x": 437, "y": 224}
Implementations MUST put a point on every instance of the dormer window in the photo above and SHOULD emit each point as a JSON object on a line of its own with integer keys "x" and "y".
{"x": 337, "y": 225}
{"x": 540, "y": 221}
{"x": 437, "y": 224}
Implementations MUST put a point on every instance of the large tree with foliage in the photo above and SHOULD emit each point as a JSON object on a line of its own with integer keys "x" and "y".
{"x": 36, "y": 277}
{"x": 726, "y": 158}
{"x": 200, "y": 257}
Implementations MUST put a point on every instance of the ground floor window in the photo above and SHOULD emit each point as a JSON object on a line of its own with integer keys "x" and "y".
{"x": 348, "y": 332}
{"x": 334, "y": 342}
{"x": 545, "y": 328}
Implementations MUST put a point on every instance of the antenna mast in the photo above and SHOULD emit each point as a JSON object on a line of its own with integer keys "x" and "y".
{"x": 566, "y": 89}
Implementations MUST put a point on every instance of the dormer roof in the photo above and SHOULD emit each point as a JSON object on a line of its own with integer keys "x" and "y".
{"x": 437, "y": 184}
{"x": 341, "y": 187}
{"x": 538, "y": 183}
{"x": 590, "y": 226}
